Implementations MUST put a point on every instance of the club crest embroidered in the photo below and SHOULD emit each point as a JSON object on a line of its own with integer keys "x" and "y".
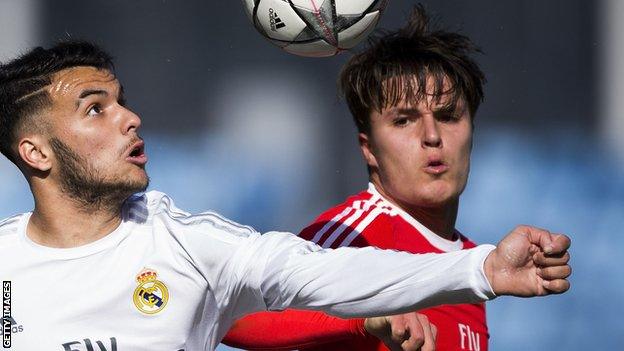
{"x": 151, "y": 295}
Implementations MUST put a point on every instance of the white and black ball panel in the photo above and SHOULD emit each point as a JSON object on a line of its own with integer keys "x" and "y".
{"x": 278, "y": 20}
{"x": 319, "y": 19}
{"x": 307, "y": 35}
{"x": 355, "y": 33}
{"x": 318, "y": 48}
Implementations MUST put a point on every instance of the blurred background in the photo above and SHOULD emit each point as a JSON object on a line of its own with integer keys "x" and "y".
{"x": 234, "y": 124}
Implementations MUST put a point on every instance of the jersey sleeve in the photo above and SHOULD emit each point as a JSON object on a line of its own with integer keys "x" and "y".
{"x": 348, "y": 282}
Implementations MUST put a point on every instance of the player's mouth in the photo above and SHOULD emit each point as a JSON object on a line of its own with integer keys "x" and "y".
{"x": 435, "y": 166}
{"x": 136, "y": 154}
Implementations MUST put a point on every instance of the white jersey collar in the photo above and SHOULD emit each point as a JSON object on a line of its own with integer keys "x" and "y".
{"x": 108, "y": 241}
{"x": 433, "y": 239}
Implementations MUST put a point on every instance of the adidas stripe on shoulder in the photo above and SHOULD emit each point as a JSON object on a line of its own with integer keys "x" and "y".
{"x": 348, "y": 224}
{"x": 159, "y": 203}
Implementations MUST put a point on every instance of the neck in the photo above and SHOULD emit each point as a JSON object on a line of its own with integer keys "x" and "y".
{"x": 61, "y": 221}
{"x": 439, "y": 219}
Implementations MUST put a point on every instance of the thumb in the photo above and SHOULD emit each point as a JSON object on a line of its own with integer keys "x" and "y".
{"x": 560, "y": 243}
{"x": 548, "y": 242}
{"x": 540, "y": 237}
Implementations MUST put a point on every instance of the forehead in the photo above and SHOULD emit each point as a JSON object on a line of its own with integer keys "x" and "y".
{"x": 69, "y": 82}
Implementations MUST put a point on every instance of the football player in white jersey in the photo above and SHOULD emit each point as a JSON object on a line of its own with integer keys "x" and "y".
{"x": 95, "y": 263}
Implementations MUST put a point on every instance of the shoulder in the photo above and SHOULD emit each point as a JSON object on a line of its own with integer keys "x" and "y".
{"x": 9, "y": 230}
{"x": 343, "y": 223}
{"x": 360, "y": 201}
{"x": 210, "y": 242}
{"x": 159, "y": 210}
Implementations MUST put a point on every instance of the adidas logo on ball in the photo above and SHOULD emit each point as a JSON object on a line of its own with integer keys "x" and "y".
{"x": 276, "y": 22}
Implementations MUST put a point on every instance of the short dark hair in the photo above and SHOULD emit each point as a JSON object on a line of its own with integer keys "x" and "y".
{"x": 22, "y": 81}
{"x": 396, "y": 65}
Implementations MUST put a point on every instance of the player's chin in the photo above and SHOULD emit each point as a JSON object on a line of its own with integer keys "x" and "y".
{"x": 436, "y": 195}
{"x": 143, "y": 182}
{"x": 138, "y": 180}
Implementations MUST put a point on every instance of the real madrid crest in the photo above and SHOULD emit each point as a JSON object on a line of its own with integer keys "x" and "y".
{"x": 151, "y": 296}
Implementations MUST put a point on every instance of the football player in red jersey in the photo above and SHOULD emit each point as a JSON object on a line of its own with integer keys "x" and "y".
{"x": 413, "y": 95}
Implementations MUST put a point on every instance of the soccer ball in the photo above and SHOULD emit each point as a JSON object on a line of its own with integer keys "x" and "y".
{"x": 315, "y": 28}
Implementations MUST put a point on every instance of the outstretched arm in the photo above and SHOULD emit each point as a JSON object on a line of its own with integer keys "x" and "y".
{"x": 528, "y": 262}
{"x": 349, "y": 282}
{"x": 278, "y": 271}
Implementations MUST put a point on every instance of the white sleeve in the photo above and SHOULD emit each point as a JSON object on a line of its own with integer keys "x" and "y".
{"x": 288, "y": 272}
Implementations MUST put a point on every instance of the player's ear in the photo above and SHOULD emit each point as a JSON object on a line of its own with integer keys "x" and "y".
{"x": 367, "y": 150}
{"x": 35, "y": 152}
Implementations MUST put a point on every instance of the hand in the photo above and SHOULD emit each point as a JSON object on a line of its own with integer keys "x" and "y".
{"x": 403, "y": 332}
{"x": 529, "y": 262}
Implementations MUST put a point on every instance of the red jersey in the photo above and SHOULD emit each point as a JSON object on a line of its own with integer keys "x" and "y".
{"x": 366, "y": 219}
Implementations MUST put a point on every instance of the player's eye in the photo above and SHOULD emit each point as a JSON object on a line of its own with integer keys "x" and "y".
{"x": 400, "y": 121}
{"x": 94, "y": 110}
{"x": 448, "y": 117}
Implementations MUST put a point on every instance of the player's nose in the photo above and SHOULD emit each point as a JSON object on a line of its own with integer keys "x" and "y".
{"x": 431, "y": 134}
{"x": 130, "y": 121}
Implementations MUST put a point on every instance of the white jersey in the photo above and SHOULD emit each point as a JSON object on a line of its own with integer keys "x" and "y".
{"x": 168, "y": 280}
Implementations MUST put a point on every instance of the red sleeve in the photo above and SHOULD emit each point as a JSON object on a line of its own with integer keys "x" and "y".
{"x": 291, "y": 329}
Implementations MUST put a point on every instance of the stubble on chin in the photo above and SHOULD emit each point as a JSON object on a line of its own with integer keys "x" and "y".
{"x": 87, "y": 186}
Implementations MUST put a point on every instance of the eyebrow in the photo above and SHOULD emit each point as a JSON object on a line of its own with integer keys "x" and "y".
{"x": 447, "y": 110}
{"x": 88, "y": 92}
{"x": 436, "y": 109}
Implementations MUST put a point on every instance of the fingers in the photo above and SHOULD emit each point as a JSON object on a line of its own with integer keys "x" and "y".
{"x": 552, "y": 260}
{"x": 413, "y": 337}
{"x": 411, "y": 332}
{"x": 405, "y": 332}
{"x": 553, "y": 268}
{"x": 558, "y": 259}
{"x": 552, "y": 273}
{"x": 430, "y": 332}
{"x": 422, "y": 334}
{"x": 556, "y": 286}
{"x": 554, "y": 278}
{"x": 400, "y": 334}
